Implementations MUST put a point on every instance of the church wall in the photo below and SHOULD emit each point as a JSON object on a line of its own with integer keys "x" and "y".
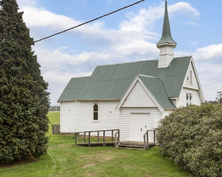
{"x": 190, "y": 86}
{"x": 125, "y": 113}
{"x": 137, "y": 102}
{"x": 78, "y": 116}
{"x": 138, "y": 98}
{"x": 183, "y": 97}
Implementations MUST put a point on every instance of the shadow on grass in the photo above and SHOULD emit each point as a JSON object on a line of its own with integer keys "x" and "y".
{"x": 27, "y": 159}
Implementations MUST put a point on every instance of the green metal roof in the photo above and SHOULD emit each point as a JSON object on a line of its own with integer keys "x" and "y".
{"x": 73, "y": 89}
{"x": 156, "y": 87}
{"x": 110, "y": 82}
{"x": 166, "y": 34}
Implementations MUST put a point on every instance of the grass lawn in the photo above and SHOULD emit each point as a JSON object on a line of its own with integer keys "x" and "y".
{"x": 64, "y": 159}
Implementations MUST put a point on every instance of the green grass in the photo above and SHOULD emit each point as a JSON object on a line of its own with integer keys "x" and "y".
{"x": 54, "y": 117}
{"x": 64, "y": 159}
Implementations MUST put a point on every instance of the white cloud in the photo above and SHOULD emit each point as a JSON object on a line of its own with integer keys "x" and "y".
{"x": 209, "y": 67}
{"x": 136, "y": 47}
{"x": 27, "y": 2}
{"x": 208, "y": 53}
{"x": 110, "y": 1}
{"x": 193, "y": 42}
{"x": 37, "y": 17}
{"x": 184, "y": 7}
{"x": 210, "y": 78}
{"x": 192, "y": 23}
{"x": 146, "y": 17}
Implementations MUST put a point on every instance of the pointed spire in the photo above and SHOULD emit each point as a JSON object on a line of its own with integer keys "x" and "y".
{"x": 166, "y": 34}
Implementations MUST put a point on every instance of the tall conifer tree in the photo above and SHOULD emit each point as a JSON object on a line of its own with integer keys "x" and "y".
{"x": 24, "y": 100}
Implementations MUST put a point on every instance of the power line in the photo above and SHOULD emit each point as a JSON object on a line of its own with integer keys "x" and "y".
{"x": 89, "y": 21}
{"x": 82, "y": 23}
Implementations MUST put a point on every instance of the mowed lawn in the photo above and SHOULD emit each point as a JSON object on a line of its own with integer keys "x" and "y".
{"x": 67, "y": 160}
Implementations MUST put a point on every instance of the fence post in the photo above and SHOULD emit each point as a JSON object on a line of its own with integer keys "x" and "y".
{"x": 84, "y": 136}
{"x": 75, "y": 138}
{"x": 147, "y": 139}
{"x": 98, "y": 136}
{"x": 52, "y": 129}
{"x": 112, "y": 135}
{"x": 89, "y": 140}
{"x": 144, "y": 140}
{"x": 104, "y": 138}
{"x": 119, "y": 136}
{"x": 154, "y": 132}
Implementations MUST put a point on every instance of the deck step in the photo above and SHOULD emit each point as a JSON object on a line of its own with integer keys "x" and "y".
{"x": 130, "y": 146}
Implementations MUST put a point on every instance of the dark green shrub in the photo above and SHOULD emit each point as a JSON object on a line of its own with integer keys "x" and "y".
{"x": 192, "y": 137}
{"x": 24, "y": 100}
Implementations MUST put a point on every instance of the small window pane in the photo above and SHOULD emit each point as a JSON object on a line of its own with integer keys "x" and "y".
{"x": 95, "y": 112}
{"x": 190, "y": 77}
{"x": 95, "y": 107}
{"x": 190, "y": 97}
{"x": 95, "y": 117}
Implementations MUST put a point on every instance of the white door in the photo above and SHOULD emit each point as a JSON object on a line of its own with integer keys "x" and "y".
{"x": 139, "y": 123}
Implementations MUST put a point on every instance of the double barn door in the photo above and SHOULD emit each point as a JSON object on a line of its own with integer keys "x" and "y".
{"x": 139, "y": 123}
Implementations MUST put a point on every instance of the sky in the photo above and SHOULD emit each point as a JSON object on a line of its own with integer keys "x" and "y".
{"x": 126, "y": 36}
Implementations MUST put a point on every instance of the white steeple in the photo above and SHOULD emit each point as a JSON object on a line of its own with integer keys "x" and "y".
{"x": 166, "y": 43}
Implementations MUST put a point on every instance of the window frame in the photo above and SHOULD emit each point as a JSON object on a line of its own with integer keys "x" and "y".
{"x": 95, "y": 112}
{"x": 191, "y": 78}
{"x": 189, "y": 98}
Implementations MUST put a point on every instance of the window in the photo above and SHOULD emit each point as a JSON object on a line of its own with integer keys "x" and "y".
{"x": 191, "y": 82}
{"x": 189, "y": 98}
{"x": 95, "y": 112}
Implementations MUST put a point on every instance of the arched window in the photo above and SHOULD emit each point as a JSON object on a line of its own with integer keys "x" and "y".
{"x": 95, "y": 112}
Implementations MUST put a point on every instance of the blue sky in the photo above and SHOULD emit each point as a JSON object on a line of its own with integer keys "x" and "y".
{"x": 129, "y": 35}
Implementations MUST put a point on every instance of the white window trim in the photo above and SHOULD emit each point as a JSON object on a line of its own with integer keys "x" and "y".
{"x": 189, "y": 102}
{"x": 191, "y": 77}
{"x": 95, "y": 121}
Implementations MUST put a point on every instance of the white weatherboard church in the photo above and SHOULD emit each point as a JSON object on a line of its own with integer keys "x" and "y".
{"x": 132, "y": 97}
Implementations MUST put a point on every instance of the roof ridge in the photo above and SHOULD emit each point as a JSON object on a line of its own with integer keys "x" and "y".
{"x": 79, "y": 77}
{"x": 128, "y": 62}
{"x": 153, "y": 77}
{"x": 140, "y": 61}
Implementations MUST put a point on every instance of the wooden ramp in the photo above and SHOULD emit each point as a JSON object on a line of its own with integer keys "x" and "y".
{"x": 97, "y": 144}
{"x": 134, "y": 145}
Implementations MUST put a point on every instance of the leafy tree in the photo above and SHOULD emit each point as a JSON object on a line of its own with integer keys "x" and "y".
{"x": 219, "y": 97}
{"x": 24, "y": 101}
{"x": 192, "y": 137}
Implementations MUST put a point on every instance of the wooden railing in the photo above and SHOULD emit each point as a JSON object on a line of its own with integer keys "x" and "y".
{"x": 98, "y": 140}
{"x": 117, "y": 138}
{"x": 146, "y": 139}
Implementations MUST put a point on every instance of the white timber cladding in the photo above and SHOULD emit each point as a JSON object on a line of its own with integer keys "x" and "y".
{"x": 190, "y": 88}
{"x": 126, "y": 115}
{"x": 191, "y": 79}
{"x": 183, "y": 97}
{"x": 138, "y": 113}
{"x": 166, "y": 56}
{"x": 138, "y": 98}
{"x": 78, "y": 116}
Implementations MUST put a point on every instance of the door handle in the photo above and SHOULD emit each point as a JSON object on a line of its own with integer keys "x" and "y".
{"x": 141, "y": 129}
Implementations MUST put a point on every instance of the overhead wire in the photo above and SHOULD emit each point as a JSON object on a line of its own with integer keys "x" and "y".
{"x": 88, "y": 21}
{"x": 83, "y": 23}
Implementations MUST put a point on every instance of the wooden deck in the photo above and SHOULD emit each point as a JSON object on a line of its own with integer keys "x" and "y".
{"x": 114, "y": 140}
{"x": 104, "y": 142}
